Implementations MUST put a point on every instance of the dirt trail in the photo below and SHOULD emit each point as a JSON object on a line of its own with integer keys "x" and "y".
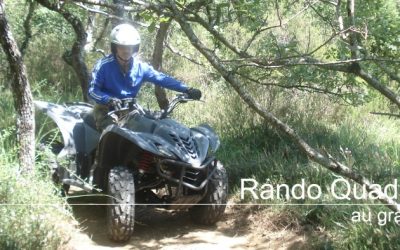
{"x": 240, "y": 228}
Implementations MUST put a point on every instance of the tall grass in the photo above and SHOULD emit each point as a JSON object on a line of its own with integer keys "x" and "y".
{"x": 33, "y": 216}
{"x": 250, "y": 148}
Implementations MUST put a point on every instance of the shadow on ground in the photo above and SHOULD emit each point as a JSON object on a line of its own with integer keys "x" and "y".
{"x": 162, "y": 229}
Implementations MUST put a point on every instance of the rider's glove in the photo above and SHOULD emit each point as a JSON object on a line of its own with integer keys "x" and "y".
{"x": 114, "y": 103}
{"x": 194, "y": 94}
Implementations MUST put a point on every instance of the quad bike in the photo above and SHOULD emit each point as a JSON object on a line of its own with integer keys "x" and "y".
{"x": 144, "y": 159}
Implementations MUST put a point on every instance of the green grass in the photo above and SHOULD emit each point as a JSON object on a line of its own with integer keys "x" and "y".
{"x": 250, "y": 148}
{"x": 33, "y": 216}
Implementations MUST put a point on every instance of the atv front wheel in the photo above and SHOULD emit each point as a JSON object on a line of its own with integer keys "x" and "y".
{"x": 121, "y": 200}
{"x": 215, "y": 198}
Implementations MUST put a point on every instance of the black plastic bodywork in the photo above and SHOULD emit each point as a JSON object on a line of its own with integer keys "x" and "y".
{"x": 180, "y": 155}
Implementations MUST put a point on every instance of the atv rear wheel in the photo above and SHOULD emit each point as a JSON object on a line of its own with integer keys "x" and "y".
{"x": 47, "y": 153}
{"x": 215, "y": 198}
{"x": 121, "y": 200}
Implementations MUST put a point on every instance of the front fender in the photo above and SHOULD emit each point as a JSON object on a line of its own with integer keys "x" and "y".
{"x": 77, "y": 136}
{"x": 119, "y": 144}
{"x": 208, "y": 132}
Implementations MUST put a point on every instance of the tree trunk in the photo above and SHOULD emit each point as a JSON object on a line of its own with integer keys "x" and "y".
{"x": 22, "y": 96}
{"x": 75, "y": 57}
{"x": 160, "y": 93}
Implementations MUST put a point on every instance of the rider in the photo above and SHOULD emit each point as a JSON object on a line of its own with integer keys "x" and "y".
{"x": 120, "y": 75}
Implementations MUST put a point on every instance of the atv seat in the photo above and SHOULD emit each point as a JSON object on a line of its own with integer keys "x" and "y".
{"x": 88, "y": 118}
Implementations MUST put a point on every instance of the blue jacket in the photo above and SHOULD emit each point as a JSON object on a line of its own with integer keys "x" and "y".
{"x": 108, "y": 80}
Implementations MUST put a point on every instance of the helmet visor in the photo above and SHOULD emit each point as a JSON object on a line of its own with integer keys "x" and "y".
{"x": 125, "y": 50}
{"x": 135, "y": 49}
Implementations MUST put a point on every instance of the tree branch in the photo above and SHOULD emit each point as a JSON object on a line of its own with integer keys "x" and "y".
{"x": 310, "y": 89}
{"x": 327, "y": 41}
{"x": 110, "y": 16}
{"x": 326, "y": 20}
{"x": 262, "y": 29}
{"x": 327, "y": 162}
{"x": 393, "y": 76}
{"x": 384, "y": 90}
{"x": 382, "y": 113}
{"x": 355, "y": 69}
{"x": 76, "y": 57}
{"x": 115, "y": 6}
{"x": 190, "y": 59}
{"x": 27, "y": 27}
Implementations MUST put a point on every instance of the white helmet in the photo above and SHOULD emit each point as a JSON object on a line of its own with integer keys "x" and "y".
{"x": 125, "y": 34}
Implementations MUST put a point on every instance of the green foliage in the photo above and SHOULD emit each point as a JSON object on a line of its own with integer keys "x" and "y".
{"x": 252, "y": 149}
{"x": 32, "y": 215}
{"x": 364, "y": 236}
{"x": 249, "y": 146}
{"x": 383, "y": 20}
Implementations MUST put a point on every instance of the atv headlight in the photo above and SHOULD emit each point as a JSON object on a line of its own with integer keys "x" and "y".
{"x": 164, "y": 151}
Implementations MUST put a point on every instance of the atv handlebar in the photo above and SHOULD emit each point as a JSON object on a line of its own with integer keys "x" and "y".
{"x": 130, "y": 104}
{"x": 180, "y": 98}
{"x": 127, "y": 104}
